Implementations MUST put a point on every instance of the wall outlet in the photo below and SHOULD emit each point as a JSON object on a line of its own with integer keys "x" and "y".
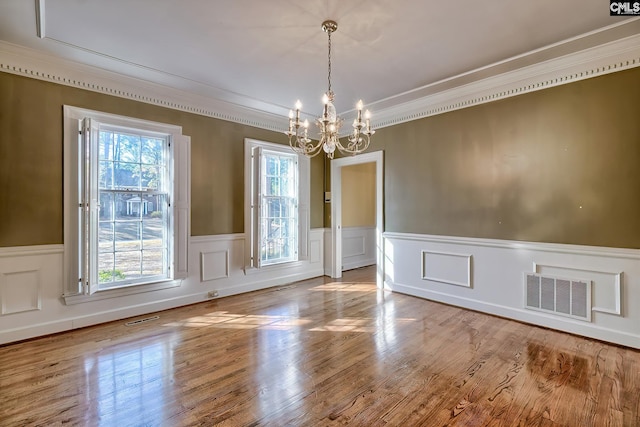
{"x": 212, "y": 294}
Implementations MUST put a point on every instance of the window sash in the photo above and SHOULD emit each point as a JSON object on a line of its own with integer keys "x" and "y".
{"x": 278, "y": 193}
{"x": 89, "y": 217}
{"x": 278, "y": 238}
{"x": 143, "y": 245}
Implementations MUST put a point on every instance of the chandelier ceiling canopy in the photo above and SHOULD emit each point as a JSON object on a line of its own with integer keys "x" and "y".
{"x": 329, "y": 123}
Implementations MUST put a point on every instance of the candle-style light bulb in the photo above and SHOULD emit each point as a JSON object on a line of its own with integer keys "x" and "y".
{"x": 291, "y": 114}
{"x": 298, "y": 105}
{"x": 325, "y": 108}
{"x": 359, "y": 105}
{"x": 306, "y": 124}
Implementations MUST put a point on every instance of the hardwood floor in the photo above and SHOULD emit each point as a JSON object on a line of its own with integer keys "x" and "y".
{"x": 319, "y": 353}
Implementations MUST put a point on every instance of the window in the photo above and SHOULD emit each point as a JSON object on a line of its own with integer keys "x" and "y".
{"x": 129, "y": 215}
{"x": 277, "y": 193}
{"x": 278, "y": 207}
{"x": 133, "y": 192}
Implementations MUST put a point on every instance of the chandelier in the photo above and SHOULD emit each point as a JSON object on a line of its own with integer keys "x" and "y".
{"x": 329, "y": 123}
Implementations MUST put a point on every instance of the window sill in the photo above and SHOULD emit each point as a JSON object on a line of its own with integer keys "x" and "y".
{"x": 274, "y": 267}
{"x": 121, "y": 292}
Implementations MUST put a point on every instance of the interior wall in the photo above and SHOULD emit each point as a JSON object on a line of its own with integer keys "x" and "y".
{"x": 558, "y": 165}
{"x": 31, "y": 161}
{"x": 359, "y": 195}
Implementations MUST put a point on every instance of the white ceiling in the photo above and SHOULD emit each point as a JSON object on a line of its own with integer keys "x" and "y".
{"x": 266, "y": 54}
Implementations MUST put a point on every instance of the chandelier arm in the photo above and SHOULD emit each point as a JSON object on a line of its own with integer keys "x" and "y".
{"x": 355, "y": 147}
{"x": 316, "y": 150}
{"x": 301, "y": 144}
{"x": 312, "y": 150}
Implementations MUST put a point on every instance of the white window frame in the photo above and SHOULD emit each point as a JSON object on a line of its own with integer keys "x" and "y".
{"x": 77, "y": 289}
{"x": 252, "y": 148}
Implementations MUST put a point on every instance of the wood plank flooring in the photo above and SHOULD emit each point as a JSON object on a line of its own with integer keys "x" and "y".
{"x": 319, "y": 353}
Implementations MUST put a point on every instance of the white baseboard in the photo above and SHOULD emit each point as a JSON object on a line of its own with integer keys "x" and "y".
{"x": 353, "y": 265}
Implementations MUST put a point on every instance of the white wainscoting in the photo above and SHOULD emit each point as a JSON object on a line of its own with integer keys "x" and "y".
{"x": 31, "y": 285}
{"x": 358, "y": 247}
{"x": 415, "y": 265}
{"x": 30, "y": 277}
{"x": 24, "y": 272}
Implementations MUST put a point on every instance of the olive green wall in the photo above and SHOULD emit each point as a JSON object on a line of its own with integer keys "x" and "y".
{"x": 558, "y": 165}
{"x": 358, "y": 195}
{"x": 31, "y": 187}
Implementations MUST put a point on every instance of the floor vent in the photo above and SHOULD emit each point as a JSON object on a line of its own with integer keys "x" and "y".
{"x": 561, "y": 296}
{"x": 137, "y": 322}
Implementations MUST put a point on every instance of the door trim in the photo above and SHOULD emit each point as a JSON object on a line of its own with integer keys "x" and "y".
{"x": 376, "y": 157}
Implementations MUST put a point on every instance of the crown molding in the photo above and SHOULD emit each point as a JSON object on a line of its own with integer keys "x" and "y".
{"x": 31, "y": 63}
{"x": 596, "y": 61}
{"x": 473, "y": 88}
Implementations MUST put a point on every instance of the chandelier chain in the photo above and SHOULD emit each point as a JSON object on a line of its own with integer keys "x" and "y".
{"x": 329, "y": 74}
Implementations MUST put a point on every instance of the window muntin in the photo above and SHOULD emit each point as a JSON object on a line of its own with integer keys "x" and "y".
{"x": 278, "y": 208}
{"x": 133, "y": 193}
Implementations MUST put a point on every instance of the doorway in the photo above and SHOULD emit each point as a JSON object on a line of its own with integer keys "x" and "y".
{"x": 377, "y": 158}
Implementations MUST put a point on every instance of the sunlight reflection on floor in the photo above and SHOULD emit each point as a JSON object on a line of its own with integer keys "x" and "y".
{"x": 227, "y": 320}
{"x": 224, "y": 319}
{"x": 122, "y": 379}
{"x": 237, "y": 321}
{"x": 347, "y": 287}
{"x": 369, "y": 325}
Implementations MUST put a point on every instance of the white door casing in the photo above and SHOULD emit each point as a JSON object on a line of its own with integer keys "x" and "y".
{"x": 376, "y": 157}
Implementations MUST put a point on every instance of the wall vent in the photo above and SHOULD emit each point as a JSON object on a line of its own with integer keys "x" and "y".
{"x": 561, "y": 296}
{"x": 139, "y": 321}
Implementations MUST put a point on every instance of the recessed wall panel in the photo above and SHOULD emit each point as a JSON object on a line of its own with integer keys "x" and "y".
{"x": 20, "y": 291}
{"x": 214, "y": 265}
{"x": 449, "y": 268}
